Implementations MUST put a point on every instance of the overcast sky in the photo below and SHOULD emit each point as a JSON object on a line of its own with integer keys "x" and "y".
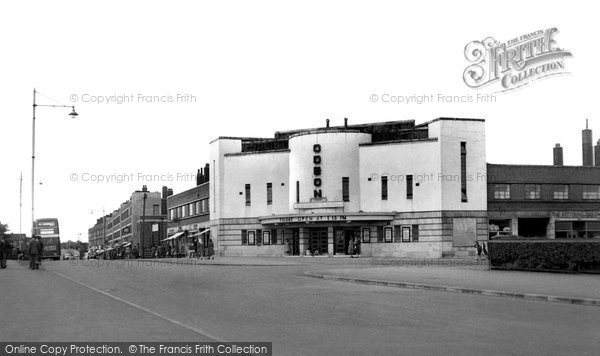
{"x": 254, "y": 67}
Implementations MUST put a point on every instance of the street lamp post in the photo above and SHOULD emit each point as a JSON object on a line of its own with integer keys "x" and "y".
{"x": 73, "y": 114}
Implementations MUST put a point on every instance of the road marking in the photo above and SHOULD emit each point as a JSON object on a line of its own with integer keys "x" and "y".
{"x": 124, "y": 301}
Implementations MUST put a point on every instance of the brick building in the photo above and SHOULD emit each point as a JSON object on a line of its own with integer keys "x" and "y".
{"x": 537, "y": 201}
{"x": 123, "y": 226}
{"x": 553, "y": 201}
{"x": 188, "y": 213}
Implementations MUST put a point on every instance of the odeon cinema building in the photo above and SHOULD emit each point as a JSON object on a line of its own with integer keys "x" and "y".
{"x": 403, "y": 189}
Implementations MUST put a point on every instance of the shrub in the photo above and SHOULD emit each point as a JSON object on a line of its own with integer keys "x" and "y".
{"x": 556, "y": 255}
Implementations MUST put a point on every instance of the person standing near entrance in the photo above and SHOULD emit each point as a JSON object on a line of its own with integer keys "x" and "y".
{"x": 5, "y": 248}
{"x": 35, "y": 252}
{"x": 357, "y": 247}
{"x": 351, "y": 246}
{"x": 200, "y": 249}
{"x": 210, "y": 249}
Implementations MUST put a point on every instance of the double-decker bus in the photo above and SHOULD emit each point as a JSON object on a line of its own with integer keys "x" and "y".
{"x": 48, "y": 230}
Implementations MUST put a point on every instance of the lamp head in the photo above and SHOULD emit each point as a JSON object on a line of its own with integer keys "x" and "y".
{"x": 73, "y": 114}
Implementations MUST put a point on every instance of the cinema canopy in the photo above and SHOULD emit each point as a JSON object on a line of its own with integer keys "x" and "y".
{"x": 404, "y": 190}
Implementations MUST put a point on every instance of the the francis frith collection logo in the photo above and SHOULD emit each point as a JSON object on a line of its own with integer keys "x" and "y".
{"x": 514, "y": 63}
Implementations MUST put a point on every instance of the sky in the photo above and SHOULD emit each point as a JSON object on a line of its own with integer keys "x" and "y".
{"x": 153, "y": 82}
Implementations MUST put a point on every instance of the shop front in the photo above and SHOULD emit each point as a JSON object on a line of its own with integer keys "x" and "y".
{"x": 323, "y": 234}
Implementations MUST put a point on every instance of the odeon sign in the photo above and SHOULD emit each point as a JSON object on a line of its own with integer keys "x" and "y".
{"x": 317, "y": 182}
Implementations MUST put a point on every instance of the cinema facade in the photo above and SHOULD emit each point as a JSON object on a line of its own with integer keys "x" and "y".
{"x": 404, "y": 190}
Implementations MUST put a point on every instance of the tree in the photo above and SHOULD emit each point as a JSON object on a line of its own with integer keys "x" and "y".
{"x": 3, "y": 228}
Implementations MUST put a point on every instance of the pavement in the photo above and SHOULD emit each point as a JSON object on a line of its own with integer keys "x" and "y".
{"x": 551, "y": 287}
{"x": 149, "y": 301}
{"x": 447, "y": 275}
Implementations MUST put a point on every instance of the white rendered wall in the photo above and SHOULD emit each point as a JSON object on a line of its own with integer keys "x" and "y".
{"x": 256, "y": 169}
{"x": 340, "y": 158}
{"x": 218, "y": 149}
{"x": 420, "y": 159}
{"x": 452, "y": 133}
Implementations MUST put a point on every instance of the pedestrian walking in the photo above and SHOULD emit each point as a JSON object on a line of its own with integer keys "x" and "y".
{"x": 479, "y": 250}
{"x": 35, "y": 252}
{"x": 357, "y": 247}
{"x": 5, "y": 248}
{"x": 153, "y": 251}
{"x": 136, "y": 251}
{"x": 351, "y": 246}
{"x": 484, "y": 249}
{"x": 210, "y": 250}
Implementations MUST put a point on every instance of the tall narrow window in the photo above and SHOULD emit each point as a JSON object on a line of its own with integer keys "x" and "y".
{"x": 409, "y": 187}
{"x": 297, "y": 191}
{"x": 248, "y": 197}
{"x": 384, "y": 188}
{"x": 345, "y": 188}
{"x": 463, "y": 172}
{"x": 269, "y": 193}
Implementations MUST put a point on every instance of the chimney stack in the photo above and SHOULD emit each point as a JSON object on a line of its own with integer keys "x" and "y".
{"x": 198, "y": 178}
{"x": 206, "y": 173}
{"x": 558, "y": 155}
{"x": 597, "y": 154}
{"x": 327, "y": 123}
{"x": 345, "y": 122}
{"x": 144, "y": 188}
{"x": 587, "y": 146}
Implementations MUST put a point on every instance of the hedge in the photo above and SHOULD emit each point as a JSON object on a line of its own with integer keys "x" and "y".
{"x": 546, "y": 255}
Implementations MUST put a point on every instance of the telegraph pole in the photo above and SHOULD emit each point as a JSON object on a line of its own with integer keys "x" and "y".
{"x": 21, "y": 204}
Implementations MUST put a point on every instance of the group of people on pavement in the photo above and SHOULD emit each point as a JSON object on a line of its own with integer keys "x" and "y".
{"x": 200, "y": 250}
{"x": 35, "y": 249}
{"x": 354, "y": 246}
{"x": 195, "y": 248}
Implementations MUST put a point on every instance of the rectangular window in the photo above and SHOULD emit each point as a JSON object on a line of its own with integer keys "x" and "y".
{"x": 248, "y": 197}
{"x": 532, "y": 191}
{"x": 181, "y": 212}
{"x": 388, "y": 234}
{"x": 560, "y": 192}
{"x": 591, "y": 192}
{"x": 463, "y": 172}
{"x": 415, "y": 233}
{"x": 198, "y": 208}
{"x": 384, "y": 188}
{"x": 274, "y": 237}
{"x": 251, "y": 237}
{"x": 244, "y": 237}
{"x": 366, "y": 235}
{"x": 269, "y": 193}
{"x": 297, "y": 191}
{"x": 345, "y": 188}
{"x": 155, "y": 209}
{"x": 409, "y": 187}
{"x": 192, "y": 208}
{"x": 172, "y": 214}
{"x": 266, "y": 237}
{"x": 405, "y": 234}
{"x": 501, "y": 191}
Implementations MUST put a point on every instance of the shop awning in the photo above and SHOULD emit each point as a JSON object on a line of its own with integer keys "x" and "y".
{"x": 173, "y": 237}
{"x": 200, "y": 233}
{"x": 126, "y": 244}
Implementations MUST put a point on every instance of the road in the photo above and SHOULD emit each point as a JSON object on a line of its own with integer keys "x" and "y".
{"x": 69, "y": 301}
